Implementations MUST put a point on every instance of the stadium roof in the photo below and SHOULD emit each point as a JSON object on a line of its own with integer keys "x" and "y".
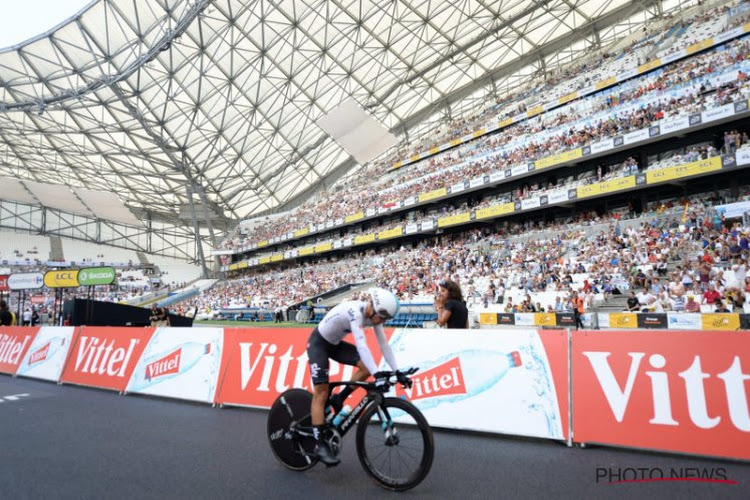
{"x": 155, "y": 99}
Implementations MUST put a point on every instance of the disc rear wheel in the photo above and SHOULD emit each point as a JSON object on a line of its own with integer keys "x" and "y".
{"x": 290, "y": 430}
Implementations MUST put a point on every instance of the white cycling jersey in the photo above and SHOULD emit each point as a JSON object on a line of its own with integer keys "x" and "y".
{"x": 349, "y": 317}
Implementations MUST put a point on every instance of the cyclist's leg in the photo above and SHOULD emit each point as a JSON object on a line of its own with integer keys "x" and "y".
{"x": 317, "y": 409}
{"x": 317, "y": 352}
{"x": 347, "y": 354}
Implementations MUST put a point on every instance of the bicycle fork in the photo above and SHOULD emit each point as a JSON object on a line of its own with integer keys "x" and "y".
{"x": 389, "y": 429}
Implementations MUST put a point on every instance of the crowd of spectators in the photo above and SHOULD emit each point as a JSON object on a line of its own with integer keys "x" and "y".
{"x": 579, "y": 74}
{"x": 681, "y": 250}
{"x": 534, "y": 188}
{"x": 681, "y": 88}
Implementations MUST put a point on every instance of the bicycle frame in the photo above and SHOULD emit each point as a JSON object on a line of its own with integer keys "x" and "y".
{"x": 372, "y": 396}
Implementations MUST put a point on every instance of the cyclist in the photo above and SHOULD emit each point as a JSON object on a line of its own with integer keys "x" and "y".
{"x": 376, "y": 307}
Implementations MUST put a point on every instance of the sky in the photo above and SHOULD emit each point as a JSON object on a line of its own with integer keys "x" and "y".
{"x": 24, "y": 19}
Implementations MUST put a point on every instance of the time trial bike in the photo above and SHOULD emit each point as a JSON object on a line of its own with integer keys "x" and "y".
{"x": 394, "y": 440}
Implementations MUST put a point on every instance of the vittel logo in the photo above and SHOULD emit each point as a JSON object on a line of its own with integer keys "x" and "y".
{"x": 40, "y": 354}
{"x": 662, "y": 390}
{"x": 167, "y": 365}
{"x": 10, "y": 350}
{"x": 263, "y": 365}
{"x": 100, "y": 357}
{"x": 441, "y": 380}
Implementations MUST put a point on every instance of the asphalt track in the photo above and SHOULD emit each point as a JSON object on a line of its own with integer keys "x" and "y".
{"x": 79, "y": 443}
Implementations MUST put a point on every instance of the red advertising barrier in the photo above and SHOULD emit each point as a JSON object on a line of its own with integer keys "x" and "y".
{"x": 664, "y": 390}
{"x": 105, "y": 357}
{"x": 4, "y": 283}
{"x": 14, "y": 342}
{"x": 257, "y": 364}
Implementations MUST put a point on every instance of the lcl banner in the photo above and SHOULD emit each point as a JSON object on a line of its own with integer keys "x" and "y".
{"x": 257, "y": 365}
{"x": 105, "y": 357}
{"x": 14, "y": 344}
{"x": 61, "y": 279}
{"x": 676, "y": 391}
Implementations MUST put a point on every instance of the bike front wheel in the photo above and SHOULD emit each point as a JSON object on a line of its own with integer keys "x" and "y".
{"x": 290, "y": 430}
{"x": 394, "y": 444}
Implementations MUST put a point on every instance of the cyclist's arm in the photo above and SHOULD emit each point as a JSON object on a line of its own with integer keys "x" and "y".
{"x": 385, "y": 347}
{"x": 362, "y": 349}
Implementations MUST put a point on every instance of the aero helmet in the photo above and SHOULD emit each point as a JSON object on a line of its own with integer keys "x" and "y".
{"x": 384, "y": 302}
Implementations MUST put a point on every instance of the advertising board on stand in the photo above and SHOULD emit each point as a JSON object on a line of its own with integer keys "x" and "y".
{"x": 61, "y": 279}
{"x": 675, "y": 391}
{"x": 25, "y": 281}
{"x": 180, "y": 363}
{"x": 96, "y": 276}
{"x": 47, "y": 354}
{"x": 514, "y": 383}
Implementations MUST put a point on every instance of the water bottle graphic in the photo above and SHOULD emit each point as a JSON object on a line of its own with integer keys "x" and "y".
{"x": 43, "y": 353}
{"x": 459, "y": 376}
{"x": 168, "y": 364}
{"x": 339, "y": 419}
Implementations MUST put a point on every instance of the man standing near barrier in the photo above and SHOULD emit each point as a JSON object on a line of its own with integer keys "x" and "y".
{"x": 578, "y": 309}
{"x": 6, "y": 317}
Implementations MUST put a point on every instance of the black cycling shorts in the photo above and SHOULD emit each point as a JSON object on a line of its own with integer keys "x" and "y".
{"x": 319, "y": 351}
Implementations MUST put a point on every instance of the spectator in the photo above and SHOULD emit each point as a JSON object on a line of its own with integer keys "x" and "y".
{"x": 633, "y": 303}
{"x": 711, "y": 296}
{"x": 578, "y": 309}
{"x": 691, "y": 305}
{"x": 450, "y": 306}
{"x": 720, "y": 307}
{"x": 6, "y": 317}
{"x": 158, "y": 316}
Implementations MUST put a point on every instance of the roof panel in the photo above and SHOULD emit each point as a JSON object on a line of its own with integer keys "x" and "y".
{"x": 198, "y": 91}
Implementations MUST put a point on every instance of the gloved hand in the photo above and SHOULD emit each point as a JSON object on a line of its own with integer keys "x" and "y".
{"x": 381, "y": 380}
{"x": 403, "y": 379}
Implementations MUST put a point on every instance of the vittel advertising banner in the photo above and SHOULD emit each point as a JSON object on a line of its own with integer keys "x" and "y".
{"x": 180, "y": 363}
{"x": 15, "y": 342}
{"x": 683, "y": 392}
{"x": 258, "y": 365}
{"x": 507, "y": 382}
{"x": 105, "y": 356}
{"x": 47, "y": 354}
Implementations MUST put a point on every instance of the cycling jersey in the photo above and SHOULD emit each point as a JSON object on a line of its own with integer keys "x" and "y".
{"x": 349, "y": 317}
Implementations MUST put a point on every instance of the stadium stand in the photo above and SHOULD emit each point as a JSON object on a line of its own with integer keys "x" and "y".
{"x": 677, "y": 90}
{"x": 19, "y": 248}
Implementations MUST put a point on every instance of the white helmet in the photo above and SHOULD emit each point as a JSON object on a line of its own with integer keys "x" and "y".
{"x": 384, "y": 302}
